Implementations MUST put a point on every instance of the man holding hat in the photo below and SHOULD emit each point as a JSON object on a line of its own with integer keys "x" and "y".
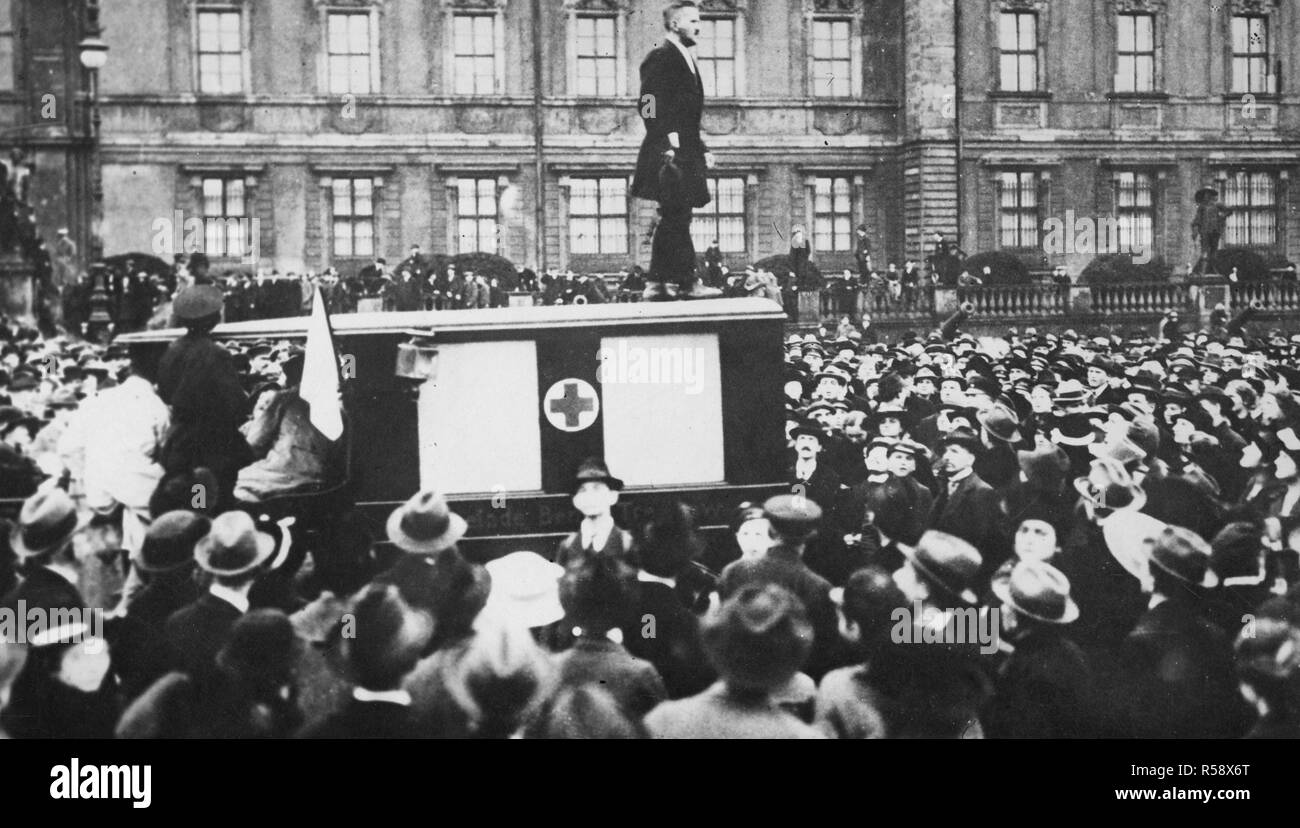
{"x": 198, "y": 380}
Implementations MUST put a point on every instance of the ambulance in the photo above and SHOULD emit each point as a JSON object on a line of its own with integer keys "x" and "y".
{"x": 497, "y": 407}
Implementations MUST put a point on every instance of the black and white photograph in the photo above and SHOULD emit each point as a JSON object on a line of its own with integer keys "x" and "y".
{"x": 651, "y": 369}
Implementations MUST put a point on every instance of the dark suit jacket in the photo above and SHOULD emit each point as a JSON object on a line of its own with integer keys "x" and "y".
{"x": 633, "y": 682}
{"x": 44, "y": 589}
{"x": 783, "y": 567}
{"x": 196, "y": 633}
{"x": 365, "y": 720}
{"x": 1043, "y": 691}
{"x": 138, "y": 639}
{"x": 974, "y": 513}
{"x": 1180, "y": 678}
{"x": 674, "y": 647}
{"x": 672, "y": 100}
{"x": 823, "y": 488}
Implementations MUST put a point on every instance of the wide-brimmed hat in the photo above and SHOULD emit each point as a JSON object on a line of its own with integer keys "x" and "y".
{"x": 1038, "y": 590}
{"x": 1116, "y": 492}
{"x": 948, "y": 561}
{"x": 47, "y": 520}
{"x": 758, "y": 638}
{"x": 198, "y": 302}
{"x": 169, "y": 543}
{"x": 594, "y": 469}
{"x": 425, "y": 524}
{"x": 1128, "y": 453}
{"x": 1001, "y": 423}
{"x": 807, "y": 428}
{"x": 1070, "y": 392}
{"x": 233, "y": 546}
{"x": 1073, "y": 430}
{"x": 1185, "y": 555}
{"x": 525, "y": 589}
{"x": 1045, "y": 467}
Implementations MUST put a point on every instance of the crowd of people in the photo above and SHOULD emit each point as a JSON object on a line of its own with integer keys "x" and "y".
{"x": 1034, "y": 535}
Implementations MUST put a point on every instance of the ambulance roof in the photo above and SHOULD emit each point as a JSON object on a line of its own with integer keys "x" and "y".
{"x": 489, "y": 319}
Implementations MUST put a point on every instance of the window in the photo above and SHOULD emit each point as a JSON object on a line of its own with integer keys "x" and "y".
{"x": 1252, "y": 197}
{"x": 1018, "y": 209}
{"x": 1135, "y": 49}
{"x": 225, "y": 212}
{"x": 474, "y": 61}
{"x": 597, "y": 56}
{"x": 723, "y": 218}
{"x": 1018, "y": 44}
{"x": 476, "y": 214}
{"x": 221, "y": 53}
{"x": 832, "y": 58}
{"x": 832, "y": 214}
{"x": 597, "y": 215}
{"x": 6, "y": 46}
{"x": 354, "y": 217}
{"x": 1250, "y": 54}
{"x": 349, "y": 53}
{"x": 1135, "y": 212}
{"x": 715, "y": 53}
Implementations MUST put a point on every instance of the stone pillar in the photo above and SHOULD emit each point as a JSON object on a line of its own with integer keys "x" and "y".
{"x": 930, "y": 163}
{"x": 16, "y": 288}
{"x": 1206, "y": 291}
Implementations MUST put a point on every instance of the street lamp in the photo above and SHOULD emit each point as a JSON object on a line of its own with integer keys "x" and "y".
{"x": 94, "y": 54}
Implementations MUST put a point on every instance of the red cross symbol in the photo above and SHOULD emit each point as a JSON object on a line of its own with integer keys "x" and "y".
{"x": 575, "y": 401}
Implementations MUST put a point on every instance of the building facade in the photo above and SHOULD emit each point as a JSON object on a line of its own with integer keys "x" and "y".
{"x": 303, "y": 134}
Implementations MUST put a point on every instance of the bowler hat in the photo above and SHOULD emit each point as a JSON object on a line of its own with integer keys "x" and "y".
{"x": 425, "y": 524}
{"x": 594, "y": 469}
{"x": 947, "y": 561}
{"x": 263, "y": 645}
{"x": 758, "y": 638}
{"x": 47, "y": 520}
{"x": 1236, "y": 550}
{"x": 169, "y": 543}
{"x": 1185, "y": 555}
{"x": 1039, "y": 590}
{"x": 198, "y": 302}
{"x": 808, "y": 429}
{"x": 1044, "y": 467}
{"x": 233, "y": 546}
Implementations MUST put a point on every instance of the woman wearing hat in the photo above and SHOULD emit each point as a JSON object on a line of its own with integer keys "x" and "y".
{"x": 757, "y": 640}
{"x": 197, "y": 378}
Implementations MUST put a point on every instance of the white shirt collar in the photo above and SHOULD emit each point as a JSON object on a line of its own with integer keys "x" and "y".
{"x": 65, "y": 572}
{"x": 595, "y": 531}
{"x": 1156, "y": 600}
{"x": 236, "y": 597}
{"x": 960, "y": 476}
{"x": 681, "y": 47}
{"x": 646, "y": 577}
{"x": 401, "y": 697}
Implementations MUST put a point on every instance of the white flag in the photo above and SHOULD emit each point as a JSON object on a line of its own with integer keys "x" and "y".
{"x": 320, "y": 372}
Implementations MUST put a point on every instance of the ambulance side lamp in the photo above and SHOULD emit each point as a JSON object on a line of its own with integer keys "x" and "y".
{"x": 417, "y": 360}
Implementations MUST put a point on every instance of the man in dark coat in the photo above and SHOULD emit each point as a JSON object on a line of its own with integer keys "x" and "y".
{"x": 967, "y": 506}
{"x": 198, "y": 380}
{"x": 794, "y": 521}
{"x": 1180, "y": 682}
{"x": 42, "y": 542}
{"x": 670, "y": 167}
